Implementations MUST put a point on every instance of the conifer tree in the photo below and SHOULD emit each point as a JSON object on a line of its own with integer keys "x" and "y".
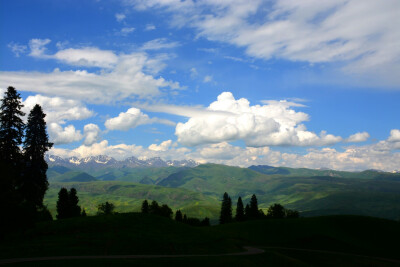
{"x": 239, "y": 210}
{"x": 247, "y": 211}
{"x": 145, "y": 206}
{"x": 34, "y": 181}
{"x": 178, "y": 216}
{"x": 11, "y": 126}
{"x": 106, "y": 208}
{"x": 226, "y": 210}
{"x": 154, "y": 207}
{"x": 254, "y": 213}
{"x": 74, "y": 208}
{"x": 63, "y": 204}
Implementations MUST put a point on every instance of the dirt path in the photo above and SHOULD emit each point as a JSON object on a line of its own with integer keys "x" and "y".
{"x": 334, "y": 253}
{"x": 249, "y": 251}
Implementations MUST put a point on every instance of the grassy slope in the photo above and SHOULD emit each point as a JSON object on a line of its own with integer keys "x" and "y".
{"x": 331, "y": 195}
{"x": 129, "y": 196}
{"x": 146, "y": 234}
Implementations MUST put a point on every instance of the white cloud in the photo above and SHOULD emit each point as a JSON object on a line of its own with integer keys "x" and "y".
{"x": 126, "y": 31}
{"x": 58, "y": 109}
{"x": 59, "y": 135}
{"x": 231, "y": 119}
{"x": 127, "y": 120}
{"x": 160, "y": 43}
{"x": 358, "y": 137}
{"x": 17, "y": 49}
{"x": 150, "y": 27}
{"x": 164, "y": 146}
{"x": 359, "y": 33}
{"x": 120, "y": 17}
{"x": 132, "y": 118}
{"x": 127, "y": 75}
{"x": 193, "y": 72}
{"x": 92, "y": 134}
{"x": 207, "y": 79}
{"x": 394, "y": 136}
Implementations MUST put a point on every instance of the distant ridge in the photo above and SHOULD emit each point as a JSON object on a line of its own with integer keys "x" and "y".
{"x": 103, "y": 161}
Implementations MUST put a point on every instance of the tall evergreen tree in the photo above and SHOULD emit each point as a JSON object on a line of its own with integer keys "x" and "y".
{"x": 11, "y": 135}
{"x": 34, "y": 181}
{"x": 74, "y": 208}
{"x": 254, "y": 213}
{"x": 154, "y": 208}
{"x": 239, "y": 210}
{"x": 178, "y": 216}
{"x": 145, "y": 206}
{"x": 11, "y": 126}
{"x": 247, "y": 211}
{"x": 63, "y": 204}
{"x": 226, "y": 210}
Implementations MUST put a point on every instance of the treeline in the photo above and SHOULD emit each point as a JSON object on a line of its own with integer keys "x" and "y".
{"x": 23, "y": 168}
{"x": 251, "y": 211}
{"x": 165, "y": 211}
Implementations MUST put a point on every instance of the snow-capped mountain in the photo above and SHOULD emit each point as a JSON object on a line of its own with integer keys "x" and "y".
{"x": 103, "y": 161}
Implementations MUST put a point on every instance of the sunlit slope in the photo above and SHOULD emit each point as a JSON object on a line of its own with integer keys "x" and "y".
{"x": 128, "y": 197}
{"x": 312, "y": 195}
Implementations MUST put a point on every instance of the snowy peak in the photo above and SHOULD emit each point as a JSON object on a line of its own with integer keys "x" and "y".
{"x": 103, "y": 161}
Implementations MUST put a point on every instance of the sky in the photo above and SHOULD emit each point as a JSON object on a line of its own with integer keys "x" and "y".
{"x": 310, "y": 83}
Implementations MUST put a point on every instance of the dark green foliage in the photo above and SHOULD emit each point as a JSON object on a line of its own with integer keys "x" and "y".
{"x": 254, "y": 211}
{"x": 154, "y": 207}
{"x": 184, "y": 218}
{"x": 145, "y": 206}
{"x": 34, "y": 183}
{"x": 239, "y": 210}
{"x": 247, "y": 211}
{"x": 83, "y": 214}
{"x": 178, "y": 216}
{"x": 276, "y": 211}
{"x": 292, "y": 213}
{"x": 63, "y": 204}
{"x": 197, "y": 222}
{"x": 105, "y": 208}
{"x": 226, "y": 209}
{"x": 205, "y": 222}
{"x": 165, "y": 211}
{"x": 67, "y": 204}
{"x": 11, "y": 126}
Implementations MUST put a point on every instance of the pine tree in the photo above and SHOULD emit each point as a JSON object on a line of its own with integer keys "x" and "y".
{"x": 226, "y": 210}
{"x": 83, "y": 214}
{"x": 106, "y": 208}
{"x": 254, "y": 207}
{"x": 73, "y": 200}
{"x": 145, "y": 206}
{"x": 63, "y": 204}
{"x": 11, "y": 127}
{"x": 239, "y": 210}
{"x": 178, "y": 216}
{"x": 247, "y": 212}
{"x": 154, "y": 207}
{"x": 34, "y": 181}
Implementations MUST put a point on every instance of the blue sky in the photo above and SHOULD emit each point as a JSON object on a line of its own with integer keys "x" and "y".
{"x": 283, "y": 83}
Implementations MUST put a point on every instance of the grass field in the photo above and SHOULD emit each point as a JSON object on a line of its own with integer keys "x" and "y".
{"x": 134, "y": 233}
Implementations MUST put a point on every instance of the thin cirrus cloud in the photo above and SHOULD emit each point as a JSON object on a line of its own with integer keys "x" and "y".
{"x": 360, "y": 34}
{"x": 129, "y": 75}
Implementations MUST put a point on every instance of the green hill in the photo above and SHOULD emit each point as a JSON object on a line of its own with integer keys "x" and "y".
{"x": 128, "y": 197}
{"x": 72, "y": 176}
{"x": 377, "y": 196}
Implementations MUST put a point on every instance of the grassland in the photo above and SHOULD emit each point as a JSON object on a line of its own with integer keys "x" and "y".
{"x": 146, "y": 234}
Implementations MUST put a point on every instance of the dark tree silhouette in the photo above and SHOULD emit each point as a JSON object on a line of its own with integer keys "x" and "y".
{"x": 292, "y": 213}
{"x": 11, "y": 126}
{"x": 239, "y": 210}
{"x": 276, "y": 211}
{"x": 184, "y": 218}
{"x": 226, "y": 210}
{"x": 11, "y": 135}
{"x": 254, "y": 213}
{"x": 105, "y": 208}
{"x": 247, "y": 211}
{"x": 178, "y": 216}
{"x": 145, "y": 206}
{"x": 205, "y": 222}
{"x": 154, "y": 207}
{"x": 74, "y": 208}
{"x": 165, "y": 211}
{"x": 83, "y": 214}
{"x": 63, "y": 204}
{"x": 34, "y": 181}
